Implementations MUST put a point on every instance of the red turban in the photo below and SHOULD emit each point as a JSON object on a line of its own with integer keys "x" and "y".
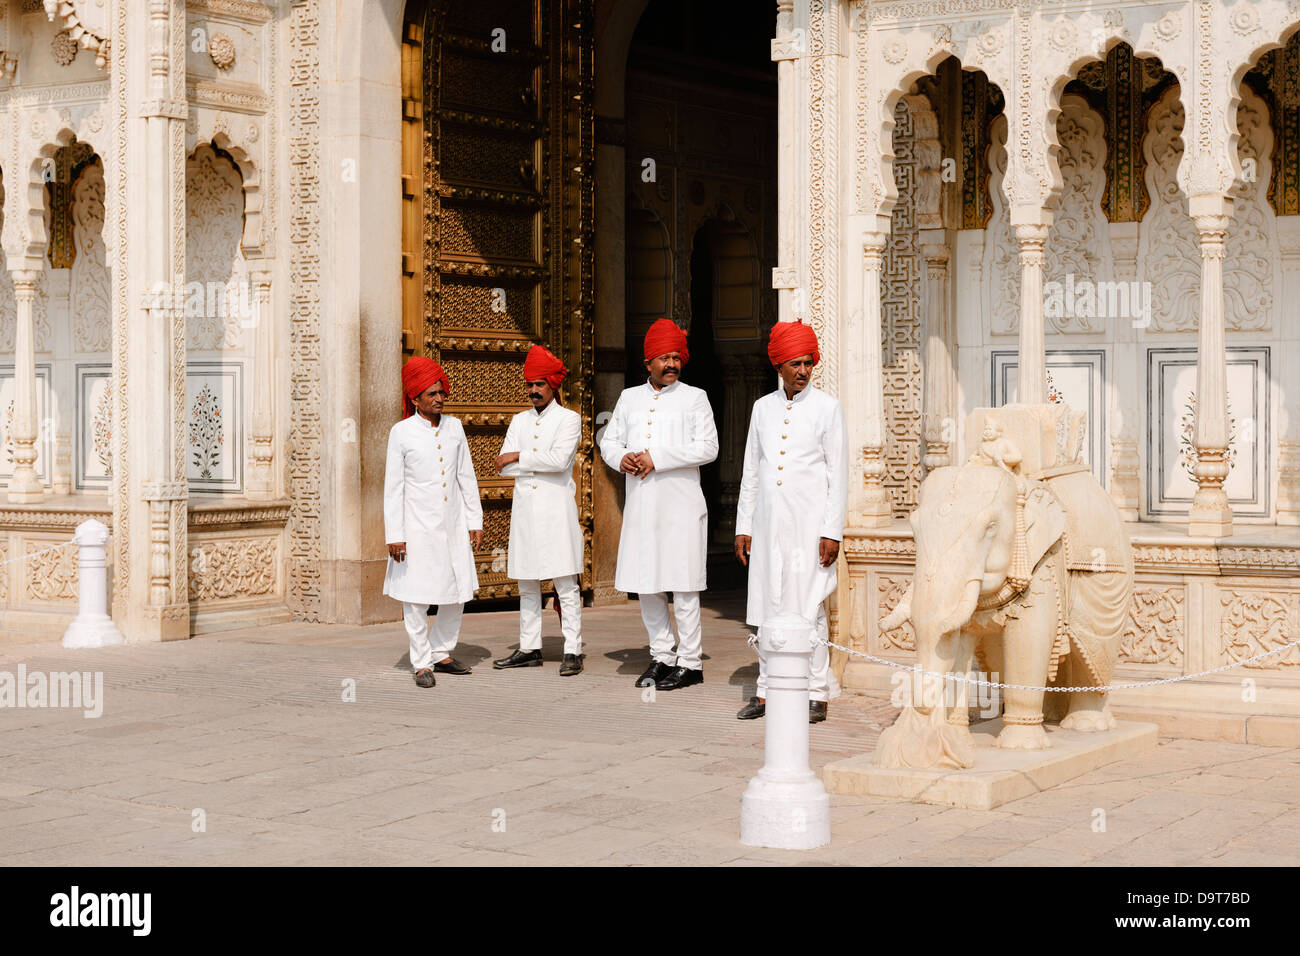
{"x": 666, "y": 336}
{"x": 789, "y": 340}
{"x": 541, "y": 364}
{"x": 418, "y": 375}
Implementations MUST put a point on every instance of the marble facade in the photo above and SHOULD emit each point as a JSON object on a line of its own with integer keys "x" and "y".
{"x": 949, "y": 175}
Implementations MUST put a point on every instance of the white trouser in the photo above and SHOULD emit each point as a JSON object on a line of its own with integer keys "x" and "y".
{"x": 820, "y": 672}
{"x": 431, "y": 644}
{"x": 530, "y": 614}
{"x": 690, "y": 642}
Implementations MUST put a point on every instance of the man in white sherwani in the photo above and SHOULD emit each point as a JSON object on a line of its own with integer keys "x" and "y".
{"x": 790, "y": 514}
{"x": 545, "y": 539}
{"x": 658, "y": 437}
{"x": 433, "y": 521}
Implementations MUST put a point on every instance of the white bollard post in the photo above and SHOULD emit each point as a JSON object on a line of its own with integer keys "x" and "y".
{"x": 92, "y": 626}
{"x": 785, "y": 805}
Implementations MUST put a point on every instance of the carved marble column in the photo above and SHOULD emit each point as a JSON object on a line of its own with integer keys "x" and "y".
{"x": 24, "y": 486}
{"x": 938, "y": 425}
{"x": 156, "y": 425}
{"x": 869, "y": 503}
{"x": 260, "y": 485}
{"x": 1211, "y": 514}
{"x": 1032, "y": 372}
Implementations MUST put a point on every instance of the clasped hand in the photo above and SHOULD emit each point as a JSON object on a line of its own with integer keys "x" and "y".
{"x": 637, "y": 463}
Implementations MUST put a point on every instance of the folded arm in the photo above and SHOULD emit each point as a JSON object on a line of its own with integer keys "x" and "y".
{"x": 558, "y": 456}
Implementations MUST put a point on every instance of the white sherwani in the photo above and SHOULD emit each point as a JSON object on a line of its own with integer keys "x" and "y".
{"x": 792, "y": 494}
{"x": 664, "y": 541}
{"x": 431, "y": 502}
{"x": 545, "y": 540}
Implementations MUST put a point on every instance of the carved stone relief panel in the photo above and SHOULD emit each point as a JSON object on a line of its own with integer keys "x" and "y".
{"x": 1001, "y": 279}
{"x": 889, "y": 591}
{"x": 1077, "y": 254}
{"x": 1252, "y": 257}
{"x": 1169, "y": 255}
{"x": 89, "y": 298}
{"x": 1156, "y": 631}
{"x": 900, "y": 308}
{"x": 1255, "y": 620}
{"x": 49, "y": 578}
{"x": 226, "y": 569}
{"x": 213, "y": 259}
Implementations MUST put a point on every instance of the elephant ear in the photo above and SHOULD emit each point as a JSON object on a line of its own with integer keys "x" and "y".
{"x": 1044, "y": 523}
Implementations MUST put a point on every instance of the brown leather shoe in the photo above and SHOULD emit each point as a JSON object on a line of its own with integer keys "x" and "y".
{"x": 816, "y": 711}
{"x": 424, "y": 678}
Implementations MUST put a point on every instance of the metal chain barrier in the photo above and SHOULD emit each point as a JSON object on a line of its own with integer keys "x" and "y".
{"x": 1057, "y": 690}
{"x": 24, "y": 557}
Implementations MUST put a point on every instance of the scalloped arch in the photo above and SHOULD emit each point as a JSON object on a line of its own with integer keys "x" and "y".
{"x": 251, "y": 242}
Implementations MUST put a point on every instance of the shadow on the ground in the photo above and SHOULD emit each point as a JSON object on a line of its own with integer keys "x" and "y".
{"x": 469, "y": 654}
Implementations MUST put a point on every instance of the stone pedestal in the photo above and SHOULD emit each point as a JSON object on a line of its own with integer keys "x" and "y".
{"x": 785, "y": 806}
{"x": 92, "y": 626}
{"x": 998, "y": 776}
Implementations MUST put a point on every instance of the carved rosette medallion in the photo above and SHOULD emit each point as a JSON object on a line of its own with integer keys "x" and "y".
{"x": 222, "y": 51}
{"x": 64, "y": 48}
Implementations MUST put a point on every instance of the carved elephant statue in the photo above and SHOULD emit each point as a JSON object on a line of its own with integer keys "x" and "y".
{"x": 1030, "y": 570}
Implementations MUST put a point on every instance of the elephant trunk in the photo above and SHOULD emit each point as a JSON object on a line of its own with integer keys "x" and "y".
{"x": 936, "y": 622}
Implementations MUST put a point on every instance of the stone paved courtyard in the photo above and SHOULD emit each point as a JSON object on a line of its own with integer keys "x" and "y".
{"x": 523, "y": 767}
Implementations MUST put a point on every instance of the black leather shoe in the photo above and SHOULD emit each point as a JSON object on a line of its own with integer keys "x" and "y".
{"x": 425, "y": 678}
{"x": 451, "y": 666}
{"x": 654, "y": 674}
{"x": 572, "y": 664}
{"x": 519, "y": 659}
{"x": 816, "y": 711}
{"x": 681, "y": 677}
{"x": 756, "y": 707}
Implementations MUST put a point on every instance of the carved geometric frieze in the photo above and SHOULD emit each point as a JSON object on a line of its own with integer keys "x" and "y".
{"x": 1156, "y": 630}
{"x": 305, "y": 428}
{"x": 226, "y": 569}
{"x": 1253, "y": 621}
{"x": 900, "y": 315}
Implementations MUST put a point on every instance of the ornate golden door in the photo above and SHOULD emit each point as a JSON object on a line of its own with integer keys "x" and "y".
{"x": 498, "y": 205}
